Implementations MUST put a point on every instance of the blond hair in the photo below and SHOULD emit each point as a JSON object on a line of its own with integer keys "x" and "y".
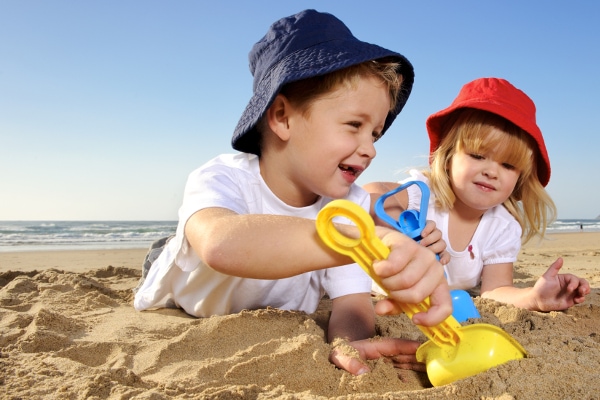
{"x": 472, "y": 131}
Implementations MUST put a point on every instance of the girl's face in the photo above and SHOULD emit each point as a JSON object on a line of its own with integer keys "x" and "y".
{"x": 333, "y": 143}
{"x": 481, "y": 181}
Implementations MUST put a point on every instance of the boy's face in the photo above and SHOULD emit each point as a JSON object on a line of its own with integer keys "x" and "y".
{"x": 333, "y": 143}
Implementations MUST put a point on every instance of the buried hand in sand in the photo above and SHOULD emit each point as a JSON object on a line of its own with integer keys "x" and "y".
{"x": 351, "y": 356}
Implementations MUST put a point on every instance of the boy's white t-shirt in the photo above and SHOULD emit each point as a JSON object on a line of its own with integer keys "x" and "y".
{"x": 497, "y": 239}
{"x": 178, "y": 278}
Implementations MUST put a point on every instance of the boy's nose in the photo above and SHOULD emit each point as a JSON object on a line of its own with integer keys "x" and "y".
{"x": 367, "y": 148}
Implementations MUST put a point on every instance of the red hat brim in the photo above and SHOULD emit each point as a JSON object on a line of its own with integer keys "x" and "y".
{"x": 500, "y": 97}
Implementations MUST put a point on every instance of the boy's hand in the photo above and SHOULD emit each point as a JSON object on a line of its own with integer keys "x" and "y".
{"x": 400, "y": 352}
{"x": 410, "y": 274}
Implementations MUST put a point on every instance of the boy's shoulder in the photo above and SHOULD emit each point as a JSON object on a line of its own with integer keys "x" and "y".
{"x": 243, "y": 162}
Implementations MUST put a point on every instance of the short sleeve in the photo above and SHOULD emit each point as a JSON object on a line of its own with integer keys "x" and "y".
{"x": 504, "y": 241}
{"x": 216, "y": 184}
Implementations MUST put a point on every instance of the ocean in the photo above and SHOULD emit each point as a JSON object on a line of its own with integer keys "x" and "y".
{"x": 106, "y": 235}
{"x": 574, "y": 225}
{"x": 81, "y": 235}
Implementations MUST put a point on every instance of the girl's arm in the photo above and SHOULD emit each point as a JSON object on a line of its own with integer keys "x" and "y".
{"x": 497, "y": 284}
{"x": 393, "y": 205}
{"x": 352, "y": 318}
{"x": 551, "y": 292}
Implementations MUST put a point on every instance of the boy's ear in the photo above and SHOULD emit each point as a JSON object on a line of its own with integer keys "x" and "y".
{"x": 277, "y": 117}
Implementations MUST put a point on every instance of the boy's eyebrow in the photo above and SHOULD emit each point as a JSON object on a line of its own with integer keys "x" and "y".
{"x": 359, "y": 113}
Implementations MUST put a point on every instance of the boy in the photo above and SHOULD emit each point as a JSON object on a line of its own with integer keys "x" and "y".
{"x": 246, "y": 237}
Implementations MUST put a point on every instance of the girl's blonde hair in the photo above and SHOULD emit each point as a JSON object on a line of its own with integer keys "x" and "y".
{"x": 472, "y": 131}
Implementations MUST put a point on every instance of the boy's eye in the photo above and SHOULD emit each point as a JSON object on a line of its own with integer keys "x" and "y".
{"x": 377, "y": 136}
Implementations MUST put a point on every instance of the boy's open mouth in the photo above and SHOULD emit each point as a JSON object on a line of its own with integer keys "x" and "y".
{"x": 349, "y": 170}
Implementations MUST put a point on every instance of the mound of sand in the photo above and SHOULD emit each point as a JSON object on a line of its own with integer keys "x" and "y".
{"x": 75, "y": 335}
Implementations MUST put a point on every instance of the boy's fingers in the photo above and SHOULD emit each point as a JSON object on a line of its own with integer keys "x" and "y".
{"x": 387, "y": 307}
{"x": 349, "y": 363}
{"x": 440, "y": 309}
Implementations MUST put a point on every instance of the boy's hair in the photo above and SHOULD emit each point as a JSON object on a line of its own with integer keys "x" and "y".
{"x": 304, "y": 92}
{"x": 471, "y": 131}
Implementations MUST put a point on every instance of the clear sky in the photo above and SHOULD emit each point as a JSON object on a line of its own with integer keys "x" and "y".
{"x": 106, "y": 106}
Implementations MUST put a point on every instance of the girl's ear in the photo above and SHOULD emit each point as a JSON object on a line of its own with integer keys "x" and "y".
{"x": 277, "y": 117}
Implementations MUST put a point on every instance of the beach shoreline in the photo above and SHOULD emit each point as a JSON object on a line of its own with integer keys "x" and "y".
{"x": 71, "y": 260}
{"x": 578, "y": 249}
{"x": 68, "y": 330}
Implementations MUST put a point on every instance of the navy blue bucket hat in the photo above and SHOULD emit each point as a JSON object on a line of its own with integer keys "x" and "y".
{"x": 302, "y": 46}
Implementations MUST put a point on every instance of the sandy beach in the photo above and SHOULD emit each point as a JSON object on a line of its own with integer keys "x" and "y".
{"x": 68, "y": 331}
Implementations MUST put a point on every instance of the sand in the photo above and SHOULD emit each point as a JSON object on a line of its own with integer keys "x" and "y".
{"x": 68, "y": 331}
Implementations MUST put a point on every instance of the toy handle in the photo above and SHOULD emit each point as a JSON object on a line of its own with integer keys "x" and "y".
{"x": 369, "y": 248}
{"x": 410, "y": 222}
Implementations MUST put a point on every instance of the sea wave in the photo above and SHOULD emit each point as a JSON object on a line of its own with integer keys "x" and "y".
{"x": 38, "y": 235}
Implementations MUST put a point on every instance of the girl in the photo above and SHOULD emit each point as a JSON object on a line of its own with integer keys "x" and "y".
{"x": 489, "y": 167}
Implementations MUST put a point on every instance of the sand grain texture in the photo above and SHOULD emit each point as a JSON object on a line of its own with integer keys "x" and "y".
{"x": 68, "y": 331}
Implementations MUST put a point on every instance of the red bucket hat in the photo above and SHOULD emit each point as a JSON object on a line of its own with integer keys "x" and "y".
{"x": 497, "y": 96}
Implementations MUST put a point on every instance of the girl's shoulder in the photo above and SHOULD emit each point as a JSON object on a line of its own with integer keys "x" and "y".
{"x": 499, "y": 220}
{"x": 500, "y": 213}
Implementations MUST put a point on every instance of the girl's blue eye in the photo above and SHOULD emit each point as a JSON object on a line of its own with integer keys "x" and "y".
{"x": 508, "y": 166}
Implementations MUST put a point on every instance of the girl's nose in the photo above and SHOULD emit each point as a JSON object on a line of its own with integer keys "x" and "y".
{"x": 491, "y": 169}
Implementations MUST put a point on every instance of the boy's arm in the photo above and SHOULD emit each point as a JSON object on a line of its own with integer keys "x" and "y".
{"x": 352, "y": 317}
{"x": 551, "y": 292}
{"x": 273, "y": 246}
{"x": 259, "y": 246}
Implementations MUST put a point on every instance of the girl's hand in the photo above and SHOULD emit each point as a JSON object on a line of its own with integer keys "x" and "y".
{"x": 555, "y": 292}
{"x": 432, "y": 239}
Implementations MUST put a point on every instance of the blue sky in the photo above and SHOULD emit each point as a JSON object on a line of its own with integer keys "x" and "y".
{"x": 106, "y": 106}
